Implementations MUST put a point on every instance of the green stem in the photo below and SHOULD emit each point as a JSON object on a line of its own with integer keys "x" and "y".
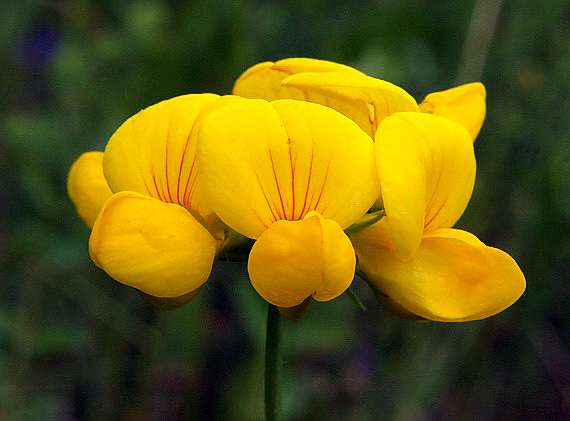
{"x": 365, "y": 221}
{"x": 273, "y": 364}
{"x": 356, "y": 299}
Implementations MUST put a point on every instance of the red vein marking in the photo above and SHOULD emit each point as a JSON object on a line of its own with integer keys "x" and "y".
{"x": 180, "y": 174}
{"x": 310, "y": 201}
{"x": 308, "y": 184}
{"x": 166, "y": 158}
{"x": 142, "y": 172}
{"x": 182, "y": 164}
{"x": 275, "y": 218}
{"x": 277, "y": 184}
{"x": 261, "y": 221}
{"x": 162, "y": 195}
{"x": 253, "y": 211}
{"x": 185, "y": 195}
{"x": 162, "y": 188}
{"x": 324, "y": 184}
{"x": 146, "y": 186}
{"x": 292, "y": 178}
{"x": 191, "y": 192}
{"x": 166, "y": 169}
{"x": 422, "y": 135}
{"x": 437, "y": 213}
{"x": 156, "y": 186}
{"x": 435, "y": 189}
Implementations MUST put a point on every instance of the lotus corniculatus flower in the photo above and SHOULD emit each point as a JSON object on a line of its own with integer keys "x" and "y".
{"x": 152, "y": 229}
{"x": 183, "y": 178}
{"x": 320, "y": 170}
{"x": 416, "y": 264}
{"x": 412, "y": 258}
{"x": 291, "y": 175}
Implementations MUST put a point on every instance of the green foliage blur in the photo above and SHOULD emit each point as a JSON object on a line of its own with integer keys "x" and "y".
{"x": 74, "y": 344}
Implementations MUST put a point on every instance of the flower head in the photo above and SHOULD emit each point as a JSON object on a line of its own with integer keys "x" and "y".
{"x": 154, "y": 230}
{"x": 414, "y": 261}
{"x": 315, "y": 147}
{"x": 181, "y": 174}
{"x": 291, "y": 175}
{"x": 416, "y": 264}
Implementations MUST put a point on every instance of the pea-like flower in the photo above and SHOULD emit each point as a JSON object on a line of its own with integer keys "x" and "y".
{"x": 191, "y": 177}
{"x": 291, "y": 175}
{"x": 179, "y": 177}
{"x": 414, "y": 261}
{"x": 152, "y": 229}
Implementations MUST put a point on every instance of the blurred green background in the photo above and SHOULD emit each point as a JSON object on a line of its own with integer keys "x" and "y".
{"x": 74, "y": 344}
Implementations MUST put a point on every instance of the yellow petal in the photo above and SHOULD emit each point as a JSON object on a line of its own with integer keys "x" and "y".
{"x": 87, "y": 187}
{"x": 294, "y": 260}
{"x": 448, "y": 279}
{"x": 426, "y": 167}
{"x": 363, "y": 99}
{"x": 154, "y": 152}
{"x": 261, "y": 162}
{"x": 300, "y": 65}
{"x": 464, "y": 104}
{"x": 150, "y": 245}
{"x": 456, "y": 234}
{"x": 264, "y": 79}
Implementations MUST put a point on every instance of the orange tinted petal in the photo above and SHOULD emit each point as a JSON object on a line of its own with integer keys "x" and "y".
{"x": 447, "y": 279}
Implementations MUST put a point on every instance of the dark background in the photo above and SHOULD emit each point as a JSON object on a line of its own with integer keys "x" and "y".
{"x": 74, "y": 344}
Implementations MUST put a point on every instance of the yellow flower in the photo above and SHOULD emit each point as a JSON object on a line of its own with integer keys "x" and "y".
{"x": 364, "y": 99}
{"x": 415, "y": 262}
{"x": 152, "y": 229}
{"x": 291, "y": 175}
{"x": 182, "y": 179}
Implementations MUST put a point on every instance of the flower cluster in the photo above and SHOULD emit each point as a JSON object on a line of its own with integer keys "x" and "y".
{"x": 314, "y": 168}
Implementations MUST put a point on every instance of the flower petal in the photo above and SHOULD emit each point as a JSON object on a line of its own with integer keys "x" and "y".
{"x": 463, "y": 104}
{"x": 264, "y": 79}
{"x": 448, "y": 279}
{"x": 87, "y": 187}
{"x": 261, "y": 162}
{"x": 294, "y": 260}
{"x": 363, "y": 99}
{"x": 154, "y": 152}
{"x": 153, "y": 246}
{"x": 426, "y": 167}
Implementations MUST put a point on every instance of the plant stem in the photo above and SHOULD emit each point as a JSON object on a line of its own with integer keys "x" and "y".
{"x": 356, "y": 299}
{"x": 273, "y": 364}
{"x": 365, "y": 221}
